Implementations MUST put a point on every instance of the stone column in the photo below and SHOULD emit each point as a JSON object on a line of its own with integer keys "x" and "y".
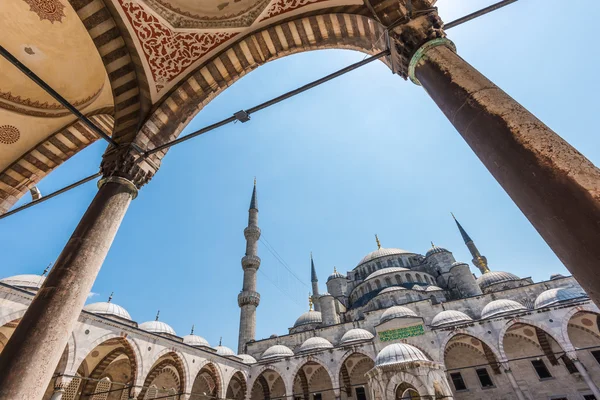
{"x": 513, "y": 383}
{"x": 33, "y": 351}
{"x": 60, "y": 385}
{"x": 586, "y": 377}
{"x": 554, "y": 185}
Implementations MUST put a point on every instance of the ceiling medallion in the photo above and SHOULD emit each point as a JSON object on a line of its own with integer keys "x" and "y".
{"x": 52, "y": 10}
{"x": 9, "y": 134}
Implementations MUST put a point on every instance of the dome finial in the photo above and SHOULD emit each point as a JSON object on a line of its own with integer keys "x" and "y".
{"x": 157, "y": 314}
{"x": 192, "y": 332}
{"x": 432, "y": 245}
{"x": 220, "y": 340}
{"x": 377, "y": 240}
{"x": 310, "y": 302}
{"x": 110, "y": 297}
{"x": 334, "y": 270}
{"x": 46, "y": 270}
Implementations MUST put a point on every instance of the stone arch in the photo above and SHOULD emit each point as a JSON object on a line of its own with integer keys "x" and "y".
{"x": 567, "y": 317}
{"x": 166, "y": 360}
{"x": 265, "y": 389}
{"x": 346, "y": 31}
{"x": 565, "y": 346}
{"x": 405, "y": 378}
{"x": 311, "y": 361}
{"x": 209, "y": 378}
{"x": 458, "y": 332}
{"x": 232, "y": 392}
{"x": 351, "y": 375}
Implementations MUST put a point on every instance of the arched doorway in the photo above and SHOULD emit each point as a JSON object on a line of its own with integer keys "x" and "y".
{"x": 166, "y": 377}
{"x": 405, "y": 391}
{"x": 207, "y": 383}
{"x": 352, "y": 378}
{"x": 312, "y": 381}
{"x": 236, "y": 390}
{"x": 268, "y": 385}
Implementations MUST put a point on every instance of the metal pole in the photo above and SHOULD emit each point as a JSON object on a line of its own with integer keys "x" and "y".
{"x": 479, "y": 13}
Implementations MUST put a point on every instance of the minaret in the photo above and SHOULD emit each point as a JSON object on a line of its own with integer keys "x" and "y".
{"x": 478, "y": 260}
{"x": 315, "y": 284}
{"x": 248, "y": 299}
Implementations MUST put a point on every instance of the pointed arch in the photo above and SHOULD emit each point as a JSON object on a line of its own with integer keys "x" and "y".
{"x": 209, "y": 380}
{"x": 236, "y": 387}
{"x": 170, "y": 362}
{"x": 565, "y": 346}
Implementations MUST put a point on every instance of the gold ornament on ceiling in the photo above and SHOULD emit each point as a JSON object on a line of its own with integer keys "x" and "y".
{"x": 51, "y": 10}
{"x": 9, "y": 134}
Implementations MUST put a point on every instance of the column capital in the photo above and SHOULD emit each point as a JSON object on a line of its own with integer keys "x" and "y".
{"x": 125, "y": 162}
{"x": 61, "y": 383}
{"x": 133, "y": 190}
{"x": 414, "y": 61}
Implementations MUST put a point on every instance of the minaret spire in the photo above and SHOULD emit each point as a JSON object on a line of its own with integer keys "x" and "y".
{"x": 377, "y": 240}
{"x": 248, "y": 299}
{"x": 315, "y": 284}
{"x": 478, "y": 260}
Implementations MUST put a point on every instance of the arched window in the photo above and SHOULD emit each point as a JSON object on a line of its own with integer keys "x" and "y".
{"x": 398, "y": 279}
{"x": 408, "y": 278}
{"x": 388, "y": 281}
{"x": 400, "y": 261}
{"x": 390, "y": 263}
{"x": 369, "y": 288}
{"x": 377, "y": 283}
{"x": 419, "y": 278}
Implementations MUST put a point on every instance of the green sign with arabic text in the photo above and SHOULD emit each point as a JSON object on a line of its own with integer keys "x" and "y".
{"x": 401, "y": 333}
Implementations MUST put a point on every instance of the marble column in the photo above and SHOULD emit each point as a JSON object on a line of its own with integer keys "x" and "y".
{"x": 33, "y": 351}
{"x": 513, "y": 383}
{"x": 58, "y": 394}
{"x": 586, "y": 377}
{"x": 554, "y": 185}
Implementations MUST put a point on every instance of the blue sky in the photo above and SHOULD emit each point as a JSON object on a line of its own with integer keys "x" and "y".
{"x": 367, "y": 153}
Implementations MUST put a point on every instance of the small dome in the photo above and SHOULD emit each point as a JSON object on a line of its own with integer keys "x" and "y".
{"x": 277, "y": 351}
{"x": 248, "y": 359}
{"x": 195, "y": 340}
{"x": 433, "y": 289}
{"x": 224, "y": 351}
{"x": 396, "y": 312}
{"x": 309, "y": 317}
{"x": 335, "y": 275}
{"x": 26, "y": 281}
{"x": 500, "y": 307}
{"x": 384, "y": 271}
{"x": 315, "y": 343}
{"x": 382, "y": 252}
{"x": 456, "y": 263}
{"x": 493, "y": 277}
{"x": 435, "y": 250}
{"x": 157, "y": 327}
{"x": 356, "y": 335}
{"x": 325, "y": 294}
{"x": 418, "y": 288}
{"x": 559, "y": 296}
{"x": 391, "y": 289}
{"x": 450, "y": 317}
{"x": 109, "y": 309}
{"x": 398, "y": 353}
{"x": 556, "y": 276}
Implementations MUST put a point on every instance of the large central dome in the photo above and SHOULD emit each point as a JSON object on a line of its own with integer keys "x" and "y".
{"x": 382, "y": 252}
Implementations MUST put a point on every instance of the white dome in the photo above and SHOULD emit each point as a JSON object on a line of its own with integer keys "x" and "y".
{"x": 195, "y": 340}
{"x": 558, "y": 295}
{"x": 26, "y": 281}
{"x": 493, "y": 277}
{"x": 315, "y": 343}
{"x": 224, "y": 351}
{"x": 248, "y": 359}
{"x": 356, "y": 335}
{"x": 433, "y": 288}
{"x": 335, "y": 275}
{"x": 398, "y": 353}
{"x": 384, "y": 271}
{"x": 500, "y": 307}
{"x": 450, "y": 317}
{"x": 309, "y": 317}
{"x": 277, "y": 351}
{"x": 556, "y": 276}
{"x": 435, "y": 250}
{"x": 157, "y": 327}
{"x": 106, "y": 308}
{"x": 391, "y": 289}
{"x": 396, "y": 312}
{"x": 382, "y": 252}
{"x": 418, "y": 288}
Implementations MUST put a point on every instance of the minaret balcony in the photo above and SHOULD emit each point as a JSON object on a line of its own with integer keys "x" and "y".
{"x": 251, "y": 262}
{"x": 252, "y": 232}
{"x": 248, "y": 297}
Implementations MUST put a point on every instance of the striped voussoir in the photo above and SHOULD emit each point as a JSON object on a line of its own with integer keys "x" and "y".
{"x": 328, "y": 31}
{"x": 166, "y": 364}
{"x": 120, "y": 66}
{"x": 35, "y": 164}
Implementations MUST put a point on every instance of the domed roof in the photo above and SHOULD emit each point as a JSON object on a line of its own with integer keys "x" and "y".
{"x": 435, "y": 250}
{"x": 309, "y": 317}
{"x": 391, "y": 289}
{"x": 500, "y": 307}
{"x": 450, "y": 317}
{"x": 248, "y": 359}
{"x": 108, "y": 308}
{"x": 384, "y": 271}
{"x": 418, "y": 288}
{"x": 493, "y": 277}
{"x": 356, "y": 335}
{"x": 556, "y": 276}
{"x": 455, "y": 263}
{"x": 25, "y": 281}
{"x": 396, "y": 312}
{"x": 335, "y": 275}
{"x": 382, "y": 252}
{"x": 433, "y": 288}
{"x": 398, "y": 353}
{"x": 224, "y": 351}
{"x": 315, "y": 343}
{"x": 195, "y": 340}
{"x": 277, "y": 351}
{"x": 559, "y": 295}
{"x": 157, "y": 327}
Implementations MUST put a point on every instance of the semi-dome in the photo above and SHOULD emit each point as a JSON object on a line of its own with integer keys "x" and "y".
{"x": 157, "y": 327}
{"x": 385, "y": 271}
{"x": 382, "y": 252}
{"x": 108, "y": 309}
{"x": 493, "y": 277}
{"x": 450, "y": 317}
{"x": 391, "y": 289}
{"x": 315, "y": 343}
{"x": 277, "y": 351}
{"x": 247, "y": 359}
{"x": 335, "y": 275}
{"x": 195, "y": 340}
{"x": 356, "y": 335}
{"x": 398, "y": 353}
{"x": 224, "y": 351}
{"x": 25, "y": 281}
{"x": 435, "y": 250}
{"x": 501, "y": 307}
{"x": 559, "y": 296}
{"x": 396, "y": 312}
{"x": 309, "y": 317}
{"x": 433, "y": 288}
